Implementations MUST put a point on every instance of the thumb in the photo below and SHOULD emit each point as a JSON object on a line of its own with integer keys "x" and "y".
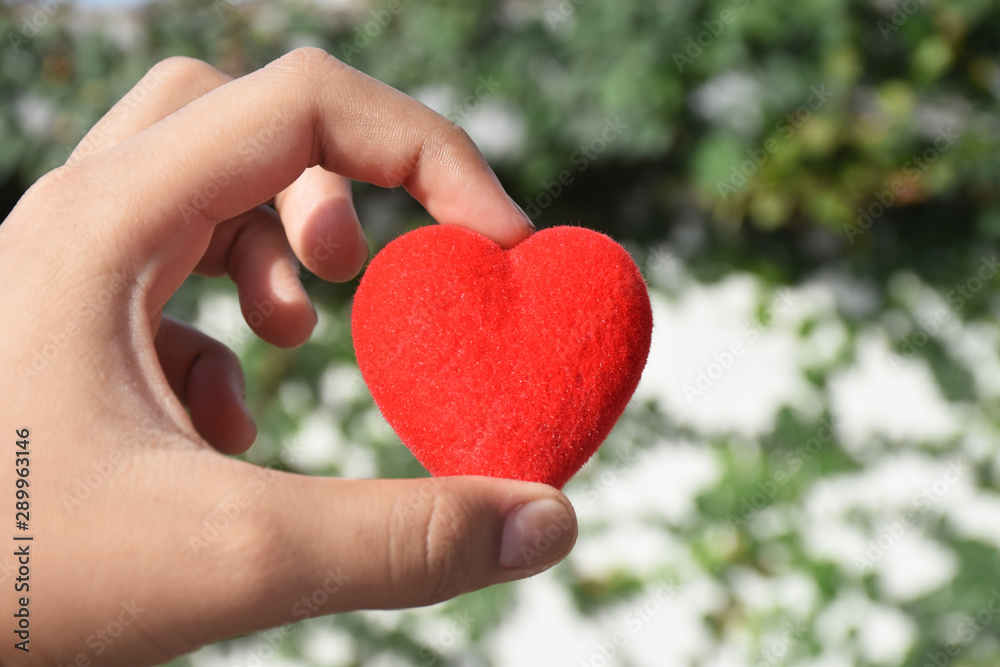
{"x": 381, "y": 544}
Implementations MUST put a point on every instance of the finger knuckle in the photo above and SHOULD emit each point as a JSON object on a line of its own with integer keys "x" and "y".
{"x": 453, "y": 134}
{"x": 179, "y": 69}
{"x": 449, "y": 137}
{"x": 310, "y": 63}
{"x": 444, "y": 556}
{"x": 59, "y": 187}
{"x": 445, "y": 139}
{"x": 446, "y": 142}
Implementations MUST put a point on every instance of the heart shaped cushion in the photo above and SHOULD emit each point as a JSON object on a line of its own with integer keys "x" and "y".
{"x": 508, "y": 363}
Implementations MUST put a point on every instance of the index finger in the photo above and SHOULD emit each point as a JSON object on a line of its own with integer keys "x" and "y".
{"x": 238, "y": 146}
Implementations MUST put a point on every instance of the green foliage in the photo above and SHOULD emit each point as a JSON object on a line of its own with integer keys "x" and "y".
{"x": 760, "y": 137}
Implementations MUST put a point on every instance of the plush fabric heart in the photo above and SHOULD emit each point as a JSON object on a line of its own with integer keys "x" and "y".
{"x": 508, "y": 363}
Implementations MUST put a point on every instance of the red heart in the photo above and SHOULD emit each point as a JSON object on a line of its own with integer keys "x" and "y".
{"x": 508, "y": 363}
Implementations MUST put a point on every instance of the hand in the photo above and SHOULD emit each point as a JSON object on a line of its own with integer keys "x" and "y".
{"x": 120, "y": 479}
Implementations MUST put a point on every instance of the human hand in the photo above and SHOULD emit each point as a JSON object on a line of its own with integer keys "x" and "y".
{"x": 172, "y": 181}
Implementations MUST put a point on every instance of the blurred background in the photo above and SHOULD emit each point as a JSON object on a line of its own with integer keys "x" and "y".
{"x": 815, "y": 181}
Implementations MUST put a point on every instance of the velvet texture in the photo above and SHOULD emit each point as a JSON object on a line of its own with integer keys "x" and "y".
{"x": 507, "y": 363}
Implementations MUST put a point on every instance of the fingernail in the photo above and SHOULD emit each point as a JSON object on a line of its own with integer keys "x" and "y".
{"x": 523, "y": 214}
{"x": 536, "y": 535}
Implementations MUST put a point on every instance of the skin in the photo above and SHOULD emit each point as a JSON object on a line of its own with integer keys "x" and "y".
{"x": 123, "y": 481}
